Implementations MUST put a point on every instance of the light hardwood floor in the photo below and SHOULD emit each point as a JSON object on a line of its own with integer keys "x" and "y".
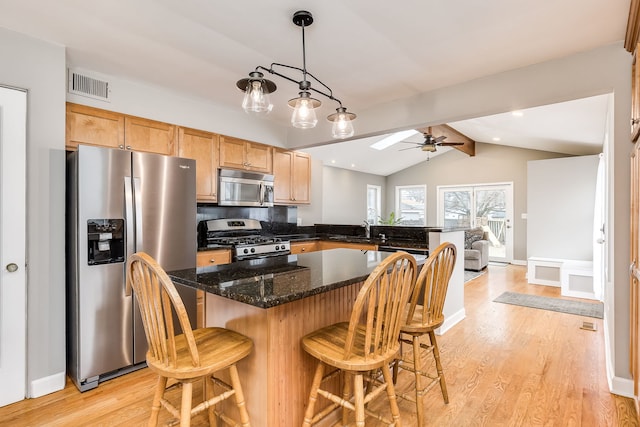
{"x": 504, "y": 365}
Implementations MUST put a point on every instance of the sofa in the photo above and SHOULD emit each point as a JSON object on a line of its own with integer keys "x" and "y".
{"x": 476, "y": 249}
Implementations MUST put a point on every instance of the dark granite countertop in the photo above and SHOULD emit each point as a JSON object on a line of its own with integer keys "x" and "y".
{"x": 273, "y": 281}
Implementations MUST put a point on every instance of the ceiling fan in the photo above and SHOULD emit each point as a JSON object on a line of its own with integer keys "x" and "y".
{"x": 430, "y": 142}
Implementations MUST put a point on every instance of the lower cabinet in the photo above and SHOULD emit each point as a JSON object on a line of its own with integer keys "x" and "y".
{"x": 304, "y": 247}
{"x": 204, "y": 259}
{"x": 337, "y": 244}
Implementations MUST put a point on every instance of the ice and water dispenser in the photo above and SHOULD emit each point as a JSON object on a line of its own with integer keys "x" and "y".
{"x": 105, "y": 241}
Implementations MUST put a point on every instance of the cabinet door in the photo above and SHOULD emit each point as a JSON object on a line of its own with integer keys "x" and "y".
{"x": 149, "y": 136}
{"x": 259, "y": 157}
{"x": 92, "y": 126}
{"x": 232, "y": 152}
{"x": 282, "y": 173}
{"x": 304, "y": 247}
{"x": 213, "y": 257}
{"x": 203, "y": 148}
{"x": 635, "y": 98}
{"x": 301, "y": 178}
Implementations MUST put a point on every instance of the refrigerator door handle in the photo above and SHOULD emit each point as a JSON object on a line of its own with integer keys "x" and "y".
{"x": 129, "y": 221}
{"x": 137, "y": 199}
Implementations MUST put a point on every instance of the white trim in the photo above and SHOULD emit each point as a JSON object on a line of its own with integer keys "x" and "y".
{"x": 617, "y": 385}
{"x": 519, "y": 262}
{"x": 451, "y": 321}
{"x": 47, "y": 385}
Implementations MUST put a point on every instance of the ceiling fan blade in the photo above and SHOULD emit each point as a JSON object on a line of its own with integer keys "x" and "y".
{"x": 445, "y": 144}
{"x": 440, "y": 138}
{"x": 410, "y": 148}
{"x": 409, "y": 142}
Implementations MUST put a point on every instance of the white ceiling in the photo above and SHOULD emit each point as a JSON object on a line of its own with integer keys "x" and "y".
{"x": 369, "y": 54}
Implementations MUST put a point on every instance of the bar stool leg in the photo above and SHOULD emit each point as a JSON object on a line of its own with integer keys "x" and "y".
{"x": 313, "y": 395}
{"x": 417, "y": 368}
{"x": 436, "y": 355}
{"x": 155, "y": 406}
{"x": 239, "y": 395}
{"x": 358, "y": 391}
{"x": 185, "y": 406}
{"x": 391, "y": 394}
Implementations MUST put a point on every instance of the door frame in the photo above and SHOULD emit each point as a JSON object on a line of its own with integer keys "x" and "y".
{"x": 509, "y": 222}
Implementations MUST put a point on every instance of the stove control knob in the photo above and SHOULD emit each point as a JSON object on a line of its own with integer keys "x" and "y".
{"x": 277, "y": 248}
{"x": 253, "y": 250}
{"x": 246, "y": 251}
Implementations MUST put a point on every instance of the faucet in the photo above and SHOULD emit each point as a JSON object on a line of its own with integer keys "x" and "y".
{"x": 367, "y": 229}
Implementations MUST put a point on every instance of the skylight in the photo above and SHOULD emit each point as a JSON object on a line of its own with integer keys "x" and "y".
{"x": 393, "y": 138}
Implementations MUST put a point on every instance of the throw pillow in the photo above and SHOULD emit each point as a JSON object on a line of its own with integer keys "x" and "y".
{"x": 472, "y": 235}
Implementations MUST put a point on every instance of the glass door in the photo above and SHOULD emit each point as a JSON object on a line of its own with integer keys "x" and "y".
{"x": 486, "y": 206}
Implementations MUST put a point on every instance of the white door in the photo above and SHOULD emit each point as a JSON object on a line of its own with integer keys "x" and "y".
{"x": 489, "y": 206}
{"x": 13, "y": 121}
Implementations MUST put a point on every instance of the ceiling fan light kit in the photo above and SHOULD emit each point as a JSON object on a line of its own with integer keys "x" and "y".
{"x": 257, "y": 90}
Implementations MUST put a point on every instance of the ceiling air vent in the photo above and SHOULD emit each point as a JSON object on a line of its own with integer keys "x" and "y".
{"x": 82, "y": 84}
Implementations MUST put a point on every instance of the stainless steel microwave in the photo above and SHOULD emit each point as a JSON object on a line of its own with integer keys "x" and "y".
{"x": 242, "y": 188}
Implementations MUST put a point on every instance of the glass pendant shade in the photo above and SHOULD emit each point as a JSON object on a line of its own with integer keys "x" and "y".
{"x": 342, "y": 123}
{"x": 304, "y": 111}
{"x": 256, "y": 99}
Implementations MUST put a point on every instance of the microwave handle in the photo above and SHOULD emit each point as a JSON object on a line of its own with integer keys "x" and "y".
{"x": 261, "y": 200}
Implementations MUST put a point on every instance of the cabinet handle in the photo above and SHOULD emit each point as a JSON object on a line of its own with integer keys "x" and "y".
{"x": 303, "y": 249}
{"x": 128, "y": 147}
{"x": 212, "y": 260}
{"x": 121, "y": 147}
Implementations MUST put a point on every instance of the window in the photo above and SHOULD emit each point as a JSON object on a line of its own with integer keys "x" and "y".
{"x": 411, "y": 204}
{"x": 374, "y": 193}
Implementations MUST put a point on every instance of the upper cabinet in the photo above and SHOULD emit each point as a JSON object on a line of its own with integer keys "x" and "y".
{"x": 92, "y": 126}
{"x": 203, "y": 147}
{"x": 292, "y": 177}
{"x": 149, "y": 136}
{"x": 240, "y": 154}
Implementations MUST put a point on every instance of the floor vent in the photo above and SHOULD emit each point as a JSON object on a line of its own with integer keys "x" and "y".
{"x": 588, "y": 326}
{"x": 90, "y": 86}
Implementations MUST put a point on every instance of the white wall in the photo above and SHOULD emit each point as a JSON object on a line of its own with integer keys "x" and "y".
{"x": 156, "y": 103}
{"x": 560, "y": 201}
{"x": 491, "y": 164}
{"x": 344, "y": 199}
{"x": 39, "y": 67}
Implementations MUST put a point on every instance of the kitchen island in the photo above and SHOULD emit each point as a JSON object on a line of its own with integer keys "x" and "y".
{"x": 276, "y": 301}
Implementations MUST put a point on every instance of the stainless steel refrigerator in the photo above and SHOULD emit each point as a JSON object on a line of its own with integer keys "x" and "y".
{"x": 120, "y": 202}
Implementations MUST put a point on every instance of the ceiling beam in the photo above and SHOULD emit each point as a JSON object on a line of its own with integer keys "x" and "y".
{"x": 452, "y": 135}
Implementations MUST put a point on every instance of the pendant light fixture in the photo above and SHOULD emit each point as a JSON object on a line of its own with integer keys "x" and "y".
{"x": 257, "y": 90}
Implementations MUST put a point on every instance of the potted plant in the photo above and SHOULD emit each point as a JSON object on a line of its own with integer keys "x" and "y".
{"x": 392, "y": 220}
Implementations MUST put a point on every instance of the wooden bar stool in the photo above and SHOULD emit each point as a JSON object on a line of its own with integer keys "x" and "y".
{"x": 423, "y": 316}
{"x": 187, "y": 357}
{"x": 369, "y": 341}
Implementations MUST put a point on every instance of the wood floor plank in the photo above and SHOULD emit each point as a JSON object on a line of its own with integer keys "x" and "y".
{"x": 504, "y": 365}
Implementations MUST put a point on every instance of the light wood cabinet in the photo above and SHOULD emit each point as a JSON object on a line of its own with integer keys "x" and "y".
{"x": 326, "y": 244}
{"x": 204, "y": 149}
{"x": 292, "y": 177}
{"x": 149, "y": 136}
{"x": 92, "y": 126}
{"x": 213, "y": 257}
{"x": 304, "y": 247}
{"x": 204, "y": 259}
{"x": 635, "y": 97}
{"x": 238, "y": 153}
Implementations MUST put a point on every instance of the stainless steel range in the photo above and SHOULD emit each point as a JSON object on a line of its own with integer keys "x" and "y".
{"x": 243, "y": 236}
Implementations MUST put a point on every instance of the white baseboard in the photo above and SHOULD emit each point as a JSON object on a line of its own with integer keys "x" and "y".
{"x": 617, "y": 385}
{"x": 47, "y": 385}
{"x": 519, "y": 262}
{"x": 451, "y": 321}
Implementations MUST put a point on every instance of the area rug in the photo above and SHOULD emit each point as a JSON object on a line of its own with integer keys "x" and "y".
{"x": 589, "y": 309}
{"x": 470, "y": 275}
